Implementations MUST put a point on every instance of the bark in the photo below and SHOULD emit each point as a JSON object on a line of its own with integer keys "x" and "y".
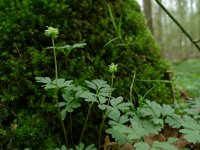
{"x": 148, "y": 13}
{"x": 159, "y": 25}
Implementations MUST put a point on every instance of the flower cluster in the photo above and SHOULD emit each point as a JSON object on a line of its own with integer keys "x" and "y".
{"x": 113, "y": 68}
{"x": 51, "y": 32}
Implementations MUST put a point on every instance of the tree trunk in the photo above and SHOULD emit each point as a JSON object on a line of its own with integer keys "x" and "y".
{"x": 159, "y": 25}
{"x": 148, "y": 13}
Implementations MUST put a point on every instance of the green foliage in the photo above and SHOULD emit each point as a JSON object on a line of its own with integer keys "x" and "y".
{"x": 151, "y": 119}
{"x": 25, "y": 131}
{"x": 191, "y": 129}
{"x": 81, "y": 146}
{"x": 68, "y": 48}
{"x": 187, "y": 77}
{"x": 61, "y": 83}
{"x": 117, "y": 27}
{"x": 69, "y": 105}
{"x": 63, "y": 147}
{"x": 156, "y": 146}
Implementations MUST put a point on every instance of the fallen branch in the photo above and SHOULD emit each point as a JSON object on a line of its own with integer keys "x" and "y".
{"x": 178, "y": 24}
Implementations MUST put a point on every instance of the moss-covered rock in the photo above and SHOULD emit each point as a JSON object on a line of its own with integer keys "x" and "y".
{"x": 23, "y": 24}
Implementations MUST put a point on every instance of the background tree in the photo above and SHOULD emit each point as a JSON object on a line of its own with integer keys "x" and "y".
{"x": 175, "y": 45}
{"x": 147, "y": 6}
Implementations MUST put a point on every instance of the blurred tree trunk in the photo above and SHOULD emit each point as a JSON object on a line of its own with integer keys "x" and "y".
{"x": 158, "y": 24}
{"x": 192, "y": 31}
{"x": 182, "y": 45}
{"x": 191, "y": 6}
{"x": 198, "y": 11}
{"x": 198, "y": 6}
{"x": 148, "y": 13}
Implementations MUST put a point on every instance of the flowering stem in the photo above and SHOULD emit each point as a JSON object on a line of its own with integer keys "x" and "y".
{"x": 56, "y": 93}
{"x": 100, "y": 130}
{"x": 88, "y": 114}
{"x": 111, "y": 87}
{"x": 71, "y": 132}
{"x": 104, "y": 116}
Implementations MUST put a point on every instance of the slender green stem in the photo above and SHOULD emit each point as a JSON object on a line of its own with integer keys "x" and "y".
{"x": 86, "y": 120}
{"x": 111, "y": 87}
{"x": 104, "y": 116}
{"x": 56, "y": 93}
{"x": 71, "y": 131}
{"x": 100, "y": 131}
{"x": 55, "y": 61}
{"x": 131, "y": 88}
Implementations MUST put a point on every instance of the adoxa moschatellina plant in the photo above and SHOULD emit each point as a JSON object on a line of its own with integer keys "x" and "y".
{"x": 53, "y": 33}
{"x": 69, "y": 104}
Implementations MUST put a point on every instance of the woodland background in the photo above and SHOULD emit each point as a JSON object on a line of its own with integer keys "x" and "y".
{"x": 175, "y": 45}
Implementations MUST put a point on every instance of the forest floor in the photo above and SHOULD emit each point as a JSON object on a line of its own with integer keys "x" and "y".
{"x": 187, "y": 77}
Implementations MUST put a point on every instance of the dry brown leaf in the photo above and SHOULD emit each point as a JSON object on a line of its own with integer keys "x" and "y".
{"x": 108, "y": 145}
{"x": 151, "y": 138}
{"x": 181, "y": 143}
{"x": 170, "y": 132}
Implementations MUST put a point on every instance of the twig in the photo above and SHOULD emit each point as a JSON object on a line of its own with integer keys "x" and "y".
{"x": 131, "y": 87}
{"x": 197, "y": 41}
{"x": 20, "y": 55}
{"x": 178, "y": 24}
{"x": 162, "y": 81}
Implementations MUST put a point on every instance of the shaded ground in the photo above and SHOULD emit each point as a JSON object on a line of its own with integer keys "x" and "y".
{"x": 187, "y": 77}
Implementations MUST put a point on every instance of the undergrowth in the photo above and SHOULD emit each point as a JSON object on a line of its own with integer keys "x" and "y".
{"x": 187, "y": 77}
{"x": 150, "y": 126}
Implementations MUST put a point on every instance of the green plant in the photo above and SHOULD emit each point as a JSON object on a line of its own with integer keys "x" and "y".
{"x": 116, "y": 27}
{"x": 81, "y": 146}
{"x": 71, "y": 93}
{"x": 57, "y": 84}
{"x": 187, "y": 77}
{"x": 191, "y": 129}
{"x": 157, "y": 145}
{"x": 151, "y": 119}
{"x": 111, "y": 107}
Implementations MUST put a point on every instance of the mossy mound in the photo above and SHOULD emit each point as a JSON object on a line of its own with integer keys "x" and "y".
{"x": 23, "y": 24}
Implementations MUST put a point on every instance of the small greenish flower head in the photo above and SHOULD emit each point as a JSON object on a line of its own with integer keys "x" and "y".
{"x": 51, "y": 32}
{"x": 113, "y": 68}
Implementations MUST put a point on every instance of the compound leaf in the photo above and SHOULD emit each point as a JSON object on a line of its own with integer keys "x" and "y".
{"x": 115, "y": 101}
{"x": 118, "y": 136}
{"x": 174, "y": 121}
{"x": 114, "y": 114}
{"x": 45, "y": 80}
{"x": 167, "y": 110}
{"x": 191, "y": 130}
{"x": 163, "y": 145}
{"x": 89, "y": 97}
{"x": 141, "y": 146}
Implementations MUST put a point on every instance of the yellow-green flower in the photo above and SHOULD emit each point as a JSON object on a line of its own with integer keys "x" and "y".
{"x": 51, "y": 32}
{"x": 113, "y": 68}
